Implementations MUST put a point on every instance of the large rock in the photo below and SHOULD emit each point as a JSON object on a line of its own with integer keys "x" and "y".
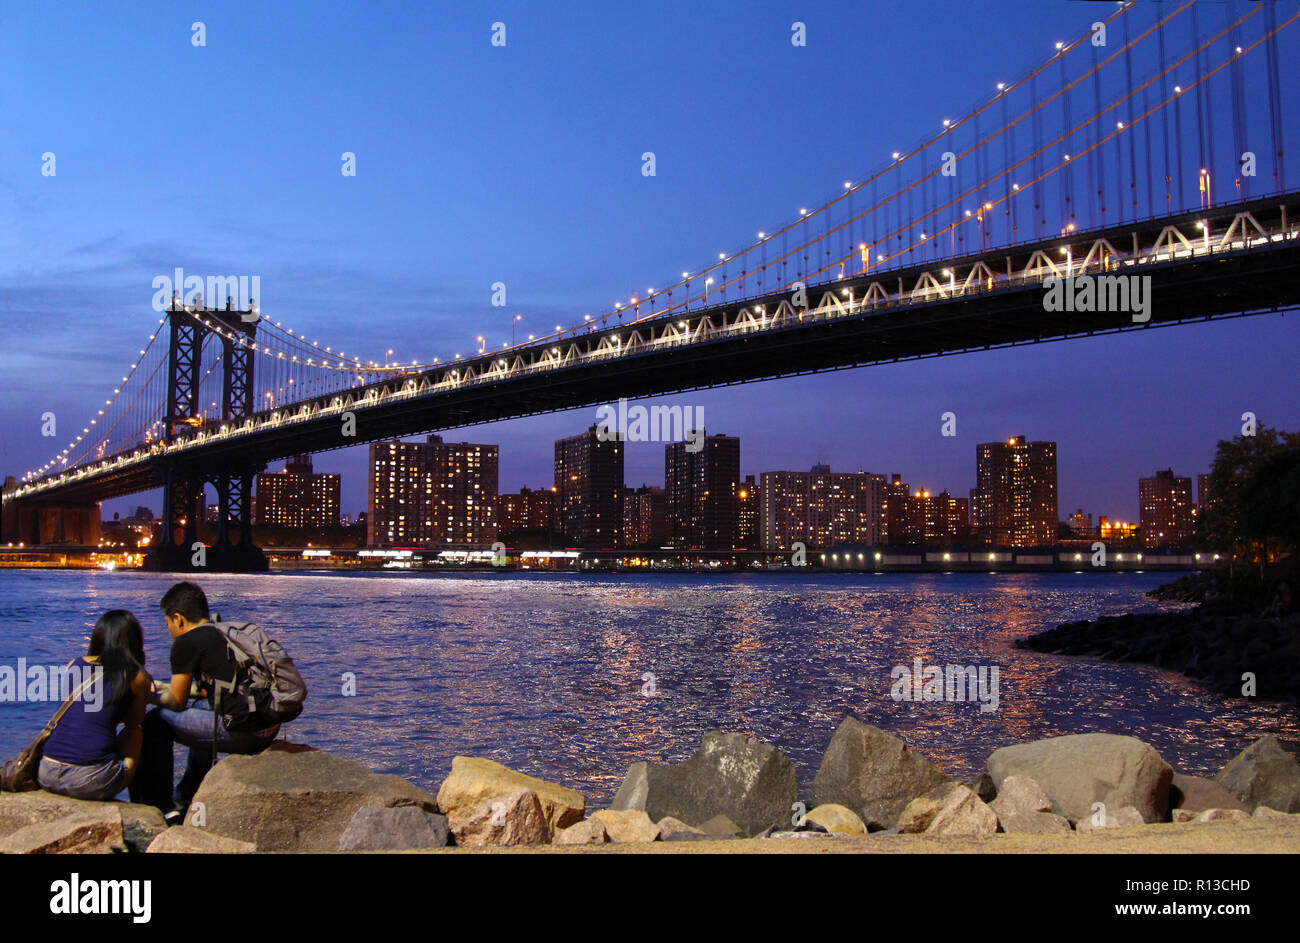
{"x": 1264, "y": 812}
{"x": 474, "y": 781}
{"x": 1263, "y": 774}
{"x": 873, "y": 773}
{"x": 721, "y": 827}
{"x": 1194, "y": 794}
{"x": 1033, "y": 823}
{"x": 140, "y": 823}
{"x": 1023, "y": 808}
{"x": 671, "y": 829}
{"x": 1123, "y": 817}
{"x": 1020, "y": 794}
{"x": 836, "y": 819}
{"x": 396, "y": 829}
{"x": 948, "y": 809}
{"x": 516, "y": 818}
{"x": 1078, "y": 770}
{"x": 749, "y": 781}
{"x": 190, "y": 840}
{"x": 293, "y": 798}
{"x": 98, "y": 831}
{"x": 1210, "y": 815}
{"x": 586, "y": 832}
{"x": 627, "y": 825}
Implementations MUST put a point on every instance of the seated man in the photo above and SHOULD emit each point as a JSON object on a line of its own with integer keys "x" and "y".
{"x": 199, "y": 655}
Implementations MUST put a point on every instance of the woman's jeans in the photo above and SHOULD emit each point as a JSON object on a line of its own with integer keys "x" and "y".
{"x": 102, "y": 781}
{"x": 193, "y": 728}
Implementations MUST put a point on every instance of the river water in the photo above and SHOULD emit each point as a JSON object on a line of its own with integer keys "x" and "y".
{"x": 549, "y": 674}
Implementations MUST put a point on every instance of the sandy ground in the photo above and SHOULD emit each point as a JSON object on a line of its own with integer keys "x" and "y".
{"x": 1244, "y": 836}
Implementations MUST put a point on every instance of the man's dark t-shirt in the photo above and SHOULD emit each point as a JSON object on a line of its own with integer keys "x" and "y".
{"x": 202, "y": 652}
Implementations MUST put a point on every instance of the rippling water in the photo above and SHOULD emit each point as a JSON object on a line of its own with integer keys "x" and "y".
{"x": 545, "y": 672}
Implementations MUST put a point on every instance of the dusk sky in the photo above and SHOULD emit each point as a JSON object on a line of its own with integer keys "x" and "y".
{"x": 522, "y": 164}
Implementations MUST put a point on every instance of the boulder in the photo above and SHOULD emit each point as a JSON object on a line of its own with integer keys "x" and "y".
{"x": 1195, "y": 794}
{"x": 187, "y": 839}
{"x": 1263, "y": 774}
{"x": 671, "y": 829}
{"x": 751, "y": 782}
{"x": 627, "y": 825}
{"x": 1078, "y": 770}
{"x": 1033, "y": 823}
{"x": 94, "y": 832}
{"x": 873, "y": 773}
{"x": 1122, "y": 817}
{"x": 836, "y": 819}
{"x": 1023, "y": 808}
{"x": 516, "y": 818}
{"x": 140, "y": 823}
{"x": 394, "y": 829}
{"x": 1020, "y": 794}
{"x": 721, "y": 827}
{"x": 293, "y": 798}
{"x": 474, "y": 781}
{"x": 586, "y": 832}
{"x": 948, "y": 809}
{"x": 1215, "y": 815}
{"x": 1264, "y": 812}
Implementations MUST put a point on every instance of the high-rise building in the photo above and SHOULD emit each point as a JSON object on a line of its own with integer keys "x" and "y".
{"x": 747, "y": 529}
{"x": 702, "y": 487}
{"x": 432, "y": 493}
{"x": 589, "y": 489}
{"x": 900, "y": 525}
{"x": 1204, "y": 494}
{"x": 951, "y": 518}
{"x": 1016, "y": 493}
{"x": 920, "y": 518}
{"x": 297, "y": 497}
{"x": 528, "y": 510}
{"x": 820, "y": 508}
{"x": 1080, "y": 524}
{"x": 1167, "y": 515}
{"x": 645, "y": 517}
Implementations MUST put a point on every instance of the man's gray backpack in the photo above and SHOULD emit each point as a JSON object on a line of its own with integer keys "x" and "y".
{"x": 267, "y": 689}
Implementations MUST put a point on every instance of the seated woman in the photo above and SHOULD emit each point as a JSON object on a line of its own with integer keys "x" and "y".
{"x": 85, "y": 758}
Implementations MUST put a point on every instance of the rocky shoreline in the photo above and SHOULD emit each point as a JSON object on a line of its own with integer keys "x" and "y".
{"x": 736, "y": 794}
{"x": 1229, "y": 640}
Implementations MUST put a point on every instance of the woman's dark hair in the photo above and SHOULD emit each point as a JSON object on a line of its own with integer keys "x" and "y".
{"x": 118, "y": 640}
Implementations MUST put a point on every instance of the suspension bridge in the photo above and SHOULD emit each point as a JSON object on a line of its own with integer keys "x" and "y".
{"x": 1145, "y": 153}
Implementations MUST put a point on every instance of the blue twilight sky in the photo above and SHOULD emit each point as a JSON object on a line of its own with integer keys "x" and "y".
{"x": 522, "y": 164}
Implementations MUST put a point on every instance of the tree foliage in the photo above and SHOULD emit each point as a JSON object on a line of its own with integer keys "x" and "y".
{"x": 1236, "y": 463}
{"x": 1269, "y": 501}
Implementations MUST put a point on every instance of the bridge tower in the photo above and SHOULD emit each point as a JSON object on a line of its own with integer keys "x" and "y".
{"x": 184, "y": 482}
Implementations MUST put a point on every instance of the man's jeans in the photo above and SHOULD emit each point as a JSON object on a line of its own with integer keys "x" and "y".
{"x": 193, "y": 728}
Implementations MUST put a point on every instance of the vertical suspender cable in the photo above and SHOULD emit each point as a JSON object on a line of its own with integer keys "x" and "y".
{"x": 1274, "y": 100}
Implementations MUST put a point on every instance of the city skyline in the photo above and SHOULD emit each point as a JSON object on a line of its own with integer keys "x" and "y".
{"x": 707, "y": 502}
{"x": 541, "y": 478}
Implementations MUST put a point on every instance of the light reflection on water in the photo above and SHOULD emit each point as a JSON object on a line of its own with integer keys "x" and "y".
{"x": 545, "y": 673}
